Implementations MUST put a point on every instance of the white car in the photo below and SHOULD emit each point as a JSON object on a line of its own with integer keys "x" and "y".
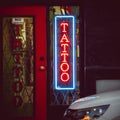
{"x": 103, "y": 106}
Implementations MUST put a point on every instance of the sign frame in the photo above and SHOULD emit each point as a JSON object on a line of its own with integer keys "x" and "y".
{"x": 72, "y": 51}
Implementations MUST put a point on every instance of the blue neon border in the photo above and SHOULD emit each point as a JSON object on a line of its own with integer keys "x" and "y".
{"x": 55, "y": 72}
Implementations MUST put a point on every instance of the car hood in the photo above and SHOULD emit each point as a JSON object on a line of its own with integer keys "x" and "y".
{"x": 112, "y": 97}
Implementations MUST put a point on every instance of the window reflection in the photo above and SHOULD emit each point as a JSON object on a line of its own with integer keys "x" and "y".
{"x": 18, "y": 66}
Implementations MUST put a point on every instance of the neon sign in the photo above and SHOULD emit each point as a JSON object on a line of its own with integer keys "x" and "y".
{"x": 64, "y": 53}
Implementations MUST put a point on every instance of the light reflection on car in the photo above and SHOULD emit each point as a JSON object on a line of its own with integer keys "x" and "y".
{"x": 103, "y": 106}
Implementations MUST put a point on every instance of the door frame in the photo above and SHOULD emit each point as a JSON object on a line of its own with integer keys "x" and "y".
{"x": 39, "y": 13}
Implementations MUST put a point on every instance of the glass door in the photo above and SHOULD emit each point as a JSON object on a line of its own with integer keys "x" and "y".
{"x": 23, "y": 63}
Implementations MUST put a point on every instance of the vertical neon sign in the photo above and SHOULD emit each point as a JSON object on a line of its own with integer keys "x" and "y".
{"x": 64, "y": 53}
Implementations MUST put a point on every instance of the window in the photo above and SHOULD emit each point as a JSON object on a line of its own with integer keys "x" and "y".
{"x": 64, "y": 61}
{"x": 18, "y": 66}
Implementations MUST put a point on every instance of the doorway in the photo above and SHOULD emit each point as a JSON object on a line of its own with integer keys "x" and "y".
{"x": 23, "y": 62}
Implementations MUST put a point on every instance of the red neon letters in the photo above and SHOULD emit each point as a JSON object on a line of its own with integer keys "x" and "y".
{"x": 64, "y": 42}
{"x": 64, "y": 55}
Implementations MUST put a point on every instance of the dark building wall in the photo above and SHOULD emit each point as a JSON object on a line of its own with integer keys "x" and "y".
{"x": 102, "y": 31}
{"x": 101, "y": 42}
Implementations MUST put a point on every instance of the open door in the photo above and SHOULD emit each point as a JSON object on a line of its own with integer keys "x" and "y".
{"x": 23, "y": 63}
